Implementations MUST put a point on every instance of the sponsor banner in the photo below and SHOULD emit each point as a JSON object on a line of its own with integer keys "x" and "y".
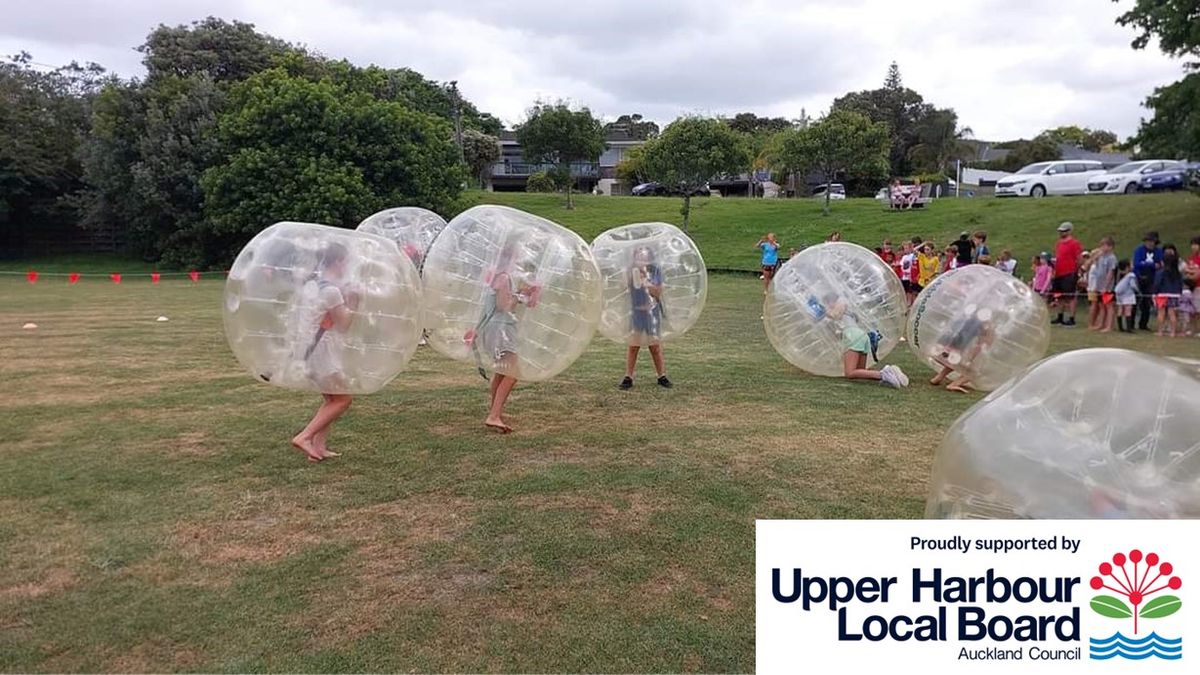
{"x": 957, "y": 596}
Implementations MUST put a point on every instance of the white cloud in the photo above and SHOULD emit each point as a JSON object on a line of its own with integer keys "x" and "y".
{"x": 1009, "y": 67}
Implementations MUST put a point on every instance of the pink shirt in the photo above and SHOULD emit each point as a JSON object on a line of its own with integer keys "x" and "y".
{"x": 1041, "y": 279}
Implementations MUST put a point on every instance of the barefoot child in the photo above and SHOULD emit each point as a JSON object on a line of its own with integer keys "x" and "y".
{"x": 646, "y": 315}
{"x": 494, "y": 338}
{"x": 1042, "y": 275}
{"x": 770, "y": 258}
{"x": 1168, "y": 288}
{"x": 961, "y": 346}
{"x": 1126, "y": 292}
{"x": 1101, "y": 280}
{"x": 327, "y": 310}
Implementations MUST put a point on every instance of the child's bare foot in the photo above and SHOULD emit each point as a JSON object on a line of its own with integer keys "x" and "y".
{"x": 1105, "y": 330}
{"x": 937, "y": 379}
{"x": 306, "y": 446}
{"x": 961, "y": 388}
{"x": 497, "y": 425}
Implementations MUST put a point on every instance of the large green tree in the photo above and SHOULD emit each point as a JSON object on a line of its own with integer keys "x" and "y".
{"x": 692, "y": 151}
{"x": 1094, "y": 140}
{"x": 43, "y": 115}
{"x": 940, "y": 141}
{"x": 313, "y": 151}
{"x": 749, "y": 123}
{"x": 1174, "y": 130}
{"x": 842, "y": 144}
{"x": 634, "y": 125}
{"x": 553, "y": 133}
{"x": 480, "y": 151}
{"x": 901, "y": 108}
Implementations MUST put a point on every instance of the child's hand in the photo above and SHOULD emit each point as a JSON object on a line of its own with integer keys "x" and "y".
{"x": 469, "y": 337}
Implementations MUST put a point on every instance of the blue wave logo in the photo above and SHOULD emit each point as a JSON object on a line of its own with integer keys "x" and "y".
{"x": 1129, "y": 648}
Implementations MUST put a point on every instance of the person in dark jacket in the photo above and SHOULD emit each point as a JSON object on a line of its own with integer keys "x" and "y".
{"x": 1147, "y": 258}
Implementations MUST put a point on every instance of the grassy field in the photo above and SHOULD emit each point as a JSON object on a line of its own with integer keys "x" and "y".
{"x": 154, "y": 518}
{"x": 726, "y": 229}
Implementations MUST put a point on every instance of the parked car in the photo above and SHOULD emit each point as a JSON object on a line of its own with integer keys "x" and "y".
{"x": 659, "y": 190}
{"x": 1063, "y": 177}
{"x": 836, "y": 191}
{"x": 1173, "y": 178}
{"x": 1127, "y": 178}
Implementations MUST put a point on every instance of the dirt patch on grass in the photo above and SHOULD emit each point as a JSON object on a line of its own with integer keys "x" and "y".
{"x": 194, "y": 443}
{"x": 53, "y": 580}
{"x": 154, "y": 656}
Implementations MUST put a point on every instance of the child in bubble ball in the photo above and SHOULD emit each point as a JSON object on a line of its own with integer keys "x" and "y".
{"x": 857, "y": 342}
{"x": 494, "y": 338}
{"x": 956, "y": 352}
{"x": 327, "y": 309}
{"x": 646, "y": 315}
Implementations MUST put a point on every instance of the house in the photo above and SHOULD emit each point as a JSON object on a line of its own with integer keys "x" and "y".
{"x": 511, "y": 172}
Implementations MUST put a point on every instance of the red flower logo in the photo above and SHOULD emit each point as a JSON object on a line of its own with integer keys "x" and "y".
{"x": 1136, "y": 586}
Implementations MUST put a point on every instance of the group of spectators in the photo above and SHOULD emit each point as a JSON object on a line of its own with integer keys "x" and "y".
{"x": 920, "y": 261}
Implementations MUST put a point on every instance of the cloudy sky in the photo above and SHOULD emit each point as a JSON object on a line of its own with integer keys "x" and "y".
{"x": 1009, "y": 67}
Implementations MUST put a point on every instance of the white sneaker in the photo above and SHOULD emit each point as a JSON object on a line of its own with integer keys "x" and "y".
{"x": 893, "y": 377}
{"x": 900, "y": 375}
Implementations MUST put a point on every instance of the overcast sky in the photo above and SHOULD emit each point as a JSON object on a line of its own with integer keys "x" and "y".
{"x": 1009, "y": 67}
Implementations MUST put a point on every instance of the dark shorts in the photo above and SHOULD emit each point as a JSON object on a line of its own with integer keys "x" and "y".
{"x": 1067, "y": 283}
{"x": 916, "y": 288}
{"x": 769, "y": 270}
{"x": 908, "y": 286}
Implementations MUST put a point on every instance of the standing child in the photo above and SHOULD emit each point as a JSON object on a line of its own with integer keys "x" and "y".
{"x": 1043, "y": 274}
{"x": 981, "y": 247}
{"x": 949, "y": 259}
{"x": 770, "y": 258}
{"x": 1168, "y": 288}
{"x": 1102, "y": 273}
{"x": 1126, "y": 292}
{"x": 327, "y": 310}
{"x": 1007, "y": 263}
{"x": 646, "y": 315}
{"x": 927, "y": 263}
{"x": 494, "y": 338}
{"x": 1187, "y": 307}
{"x": 908, "y": 262}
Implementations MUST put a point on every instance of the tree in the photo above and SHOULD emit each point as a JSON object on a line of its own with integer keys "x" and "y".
{"x": 1022, "y": 153}
{"x": 901, "y": 108}
{"x": 552, "y": 133}
{"x": 224, "y": 51}
{"x": 634, "y": 126}
{"x": 692, "y": 151}
{"x": 480, "y": 151}
{"x": 1174, "y": 130}
{"x": 749, "y": 123}
{"x": 1093, "y": 140}
{"x": 632, "y": 166}
{"x": 940, "y": 141}
{"x": 843, "y": 143}
{"x": 43, "y": 115}
{"x": 1176, "y": 24}
{"x": 313, "y": 151}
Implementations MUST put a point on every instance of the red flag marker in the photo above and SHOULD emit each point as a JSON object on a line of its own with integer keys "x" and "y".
{"x": 116, "y": 277}
{"x": 31, "y": 276}
{"x": 73, "y": 277}
{"x": 154, "y": 276}
{"x": 194, "y": 275}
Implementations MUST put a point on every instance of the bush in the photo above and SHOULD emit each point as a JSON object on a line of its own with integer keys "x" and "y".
{"x": 540, "y": 182}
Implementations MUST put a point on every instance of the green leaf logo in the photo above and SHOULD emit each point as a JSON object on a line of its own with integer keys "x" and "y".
{"x": 1159, "y": 607}
{"x": 1107, "y": 605}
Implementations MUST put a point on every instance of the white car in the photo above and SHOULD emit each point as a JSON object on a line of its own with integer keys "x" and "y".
{"x": 836, "y": 191}
{"x": 1062, "y": 177}
{"x": 1126, "y": 178}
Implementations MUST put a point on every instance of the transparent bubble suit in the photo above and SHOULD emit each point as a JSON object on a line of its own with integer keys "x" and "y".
{"x": 1092, "y": 433}
{"x": 549, "y": 270}
{"x": 822, "y": 294}
{"x": 980, "y": 321}
{"x": 275, "y": 308}
{"x": 636, "y": 261}
{"x": 412, "y": 228}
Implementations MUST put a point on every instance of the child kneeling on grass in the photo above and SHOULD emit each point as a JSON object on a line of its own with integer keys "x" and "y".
{"x": 963, "y": 343}
{"x": 858, "y": 342}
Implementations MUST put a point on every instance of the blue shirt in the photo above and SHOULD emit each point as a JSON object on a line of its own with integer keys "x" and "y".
{"x": 1145, "y": 260}
{"x": 770, "y": 253}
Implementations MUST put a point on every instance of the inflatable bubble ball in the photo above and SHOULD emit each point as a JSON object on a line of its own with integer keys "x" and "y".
{"x": 510, "y": 293}
{"x": 827, "y": 297}
{"x": 655, "y": 283}
{"x": 413, "y": 229}
{"x": 984, "y": 324}
{"x": 1092, "y": 433}
{"x": 322, "y": 308}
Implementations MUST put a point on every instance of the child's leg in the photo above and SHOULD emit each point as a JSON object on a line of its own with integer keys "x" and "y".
{"x": 1106, "y": 317}
{"x": 331, "y": 408}
{"x": 942, "y": 375}
{"x": 631, "y": 355}
{"x": 854, "y": 367}
{"x": 495, "y": 417}
{"x": 962, "y": 385}
{"x": 1094, "y": 315}
{"x": 495, "y": 384}
{"x": 1172, "y": 320}
{"x": 656, "y": 355}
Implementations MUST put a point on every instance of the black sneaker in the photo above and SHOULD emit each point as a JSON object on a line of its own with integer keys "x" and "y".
{"x": 626, "y": 383}
{"x": 1069, "y": 323}
{"x": 664, "y": 382}
{"x": 1056, "y": 320}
